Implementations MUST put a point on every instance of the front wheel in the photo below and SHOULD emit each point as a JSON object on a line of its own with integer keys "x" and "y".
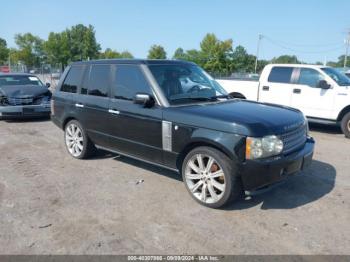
{"x": 345, "y": 125}
{"x": 211, "y": 177}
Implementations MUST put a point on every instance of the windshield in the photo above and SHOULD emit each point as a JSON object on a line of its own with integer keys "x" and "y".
{"x": 186, "y": 83}
{"x": 12, "y": 80}
{"x": 338, "y": 77}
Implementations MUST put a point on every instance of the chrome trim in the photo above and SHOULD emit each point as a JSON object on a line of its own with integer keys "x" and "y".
{"x": 167, "y": 136}
{"x": 116, "y": 112}
{"x": 79, "y": 105}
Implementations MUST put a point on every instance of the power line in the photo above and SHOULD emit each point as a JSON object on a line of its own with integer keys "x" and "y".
{"x": 302, "y": 45}
{"x": 339, "y": 47}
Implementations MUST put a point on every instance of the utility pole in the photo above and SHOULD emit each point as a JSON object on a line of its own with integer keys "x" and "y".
{"x": 347, "y": 42}
{"x": 257, "y": 52}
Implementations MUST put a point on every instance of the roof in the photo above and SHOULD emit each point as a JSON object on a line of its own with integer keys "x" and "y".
{"x": 134, "y": 61}
{"x": 299, "y": 65}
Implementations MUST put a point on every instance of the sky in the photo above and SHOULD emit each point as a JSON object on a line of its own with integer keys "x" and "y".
{"x": 314, "y": 30}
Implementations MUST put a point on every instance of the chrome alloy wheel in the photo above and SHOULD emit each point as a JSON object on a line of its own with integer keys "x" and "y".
{"x": 348, "y": 125}
{"x": 74, "y": 140}
{"x": 205, "y": 178}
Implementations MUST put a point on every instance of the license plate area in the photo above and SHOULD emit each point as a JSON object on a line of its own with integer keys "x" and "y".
{"x": 28, "y": 111}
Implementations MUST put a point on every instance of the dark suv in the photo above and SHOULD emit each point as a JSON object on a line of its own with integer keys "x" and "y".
{"x": 173, "y": 114}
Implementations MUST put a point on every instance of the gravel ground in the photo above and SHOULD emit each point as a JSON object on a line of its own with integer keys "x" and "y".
{"x": 51, "y": 203}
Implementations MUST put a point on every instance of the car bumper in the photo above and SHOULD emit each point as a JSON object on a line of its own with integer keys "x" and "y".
{"x": 261, "y": 173}
{"x": 25, "y": 111}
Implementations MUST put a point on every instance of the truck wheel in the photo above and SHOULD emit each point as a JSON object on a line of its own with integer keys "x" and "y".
{"x": 345, "y": 125}
{"x": 211, "y": 177}
{"x": 77, "y": 142}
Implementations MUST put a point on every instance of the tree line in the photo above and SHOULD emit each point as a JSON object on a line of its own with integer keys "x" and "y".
{"x": 79, "y": 43}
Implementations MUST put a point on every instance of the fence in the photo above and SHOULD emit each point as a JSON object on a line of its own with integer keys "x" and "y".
{"x": 46, "y": 73}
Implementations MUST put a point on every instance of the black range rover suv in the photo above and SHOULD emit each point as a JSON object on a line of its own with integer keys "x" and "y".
{"x": 173, "y": 114}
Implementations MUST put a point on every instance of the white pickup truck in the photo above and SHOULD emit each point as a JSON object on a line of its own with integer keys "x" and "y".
{"x": 321, "y": 93}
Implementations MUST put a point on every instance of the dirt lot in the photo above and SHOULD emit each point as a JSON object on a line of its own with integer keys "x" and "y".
{"x": 53, "y": 204}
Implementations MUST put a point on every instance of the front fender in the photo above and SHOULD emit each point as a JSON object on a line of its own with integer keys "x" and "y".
{"x": 186, "y": 138}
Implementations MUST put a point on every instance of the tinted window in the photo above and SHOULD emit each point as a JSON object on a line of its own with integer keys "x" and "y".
{"x": 127, "y": 80}
{"x": 85, "y": 82}
{"x": 186, "y": 83}
{"x": 309, "y": 77}
{"x": 280, "y": 74}
{"x": 99, "y": 81}
{"x": 73, "y": 79}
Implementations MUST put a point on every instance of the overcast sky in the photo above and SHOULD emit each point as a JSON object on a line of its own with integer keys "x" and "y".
{"x": 311, "y": 29}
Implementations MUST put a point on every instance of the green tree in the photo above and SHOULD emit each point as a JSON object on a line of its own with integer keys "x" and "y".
{"x": 242, "y": 61}
{"x": 341, "y": 59}
{"x": 109, "y": 54}
{"x": 82, "y": 42}
{"x": 215, "y": 54}
{"x": 57, "y": 49}
{"x": 261, "y": 65}
{"x": 156, "y": 52}
{"x": 286, "y": 59}
{"x": 180, "y": 54}
{"x": 30, "y": 49}
{"x": 4, "y": 51}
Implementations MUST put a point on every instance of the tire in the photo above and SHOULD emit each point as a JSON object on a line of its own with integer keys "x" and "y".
{"x": 345, "y": 125}
{"x": 220, "y": 188}
{"x": 77, "y": 142}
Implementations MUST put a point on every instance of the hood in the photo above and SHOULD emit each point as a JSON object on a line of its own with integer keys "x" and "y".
{"x": 23, "y": 91}
{"x": 239, "y": 116}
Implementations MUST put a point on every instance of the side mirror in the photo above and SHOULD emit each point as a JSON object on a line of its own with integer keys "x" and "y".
{"x": 144, "y": 99}
{"x": 48, "y": 85}
{"x": 323, "y": 84}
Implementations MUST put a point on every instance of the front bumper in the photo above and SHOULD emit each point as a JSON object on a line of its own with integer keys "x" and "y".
{"x": 260, "y": 173}
{"x": 24, "y": 111}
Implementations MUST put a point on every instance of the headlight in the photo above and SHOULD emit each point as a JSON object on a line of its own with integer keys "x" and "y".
{"x": 263, "y": 147}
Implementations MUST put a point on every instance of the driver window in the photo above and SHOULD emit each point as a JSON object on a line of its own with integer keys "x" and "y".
{"x": 309, "y": 77}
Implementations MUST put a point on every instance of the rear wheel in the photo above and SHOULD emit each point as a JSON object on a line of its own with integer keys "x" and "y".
{"x": 77, "y": 142}
{"x": 345, "y": 125}
{"x": 211, "y": 177}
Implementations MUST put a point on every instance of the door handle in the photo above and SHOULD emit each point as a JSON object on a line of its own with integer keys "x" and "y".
{"x": 296, "y": 91}
{"x": 266, "y": 88}
{"x": 116, "y": 112}
{"x": 79, "y": 105}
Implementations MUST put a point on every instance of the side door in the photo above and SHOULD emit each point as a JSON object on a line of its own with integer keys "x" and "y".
{"x": 93, "y": 103}
{"x": 63, "y": 99}
{"x": 308, "y": 97}
{"x": 277, "y": 88}
{"x": 135, "y": 130}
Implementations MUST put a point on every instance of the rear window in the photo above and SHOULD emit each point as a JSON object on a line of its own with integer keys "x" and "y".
{"x": 280, "y": 75}
{"x": 73, "y": 79}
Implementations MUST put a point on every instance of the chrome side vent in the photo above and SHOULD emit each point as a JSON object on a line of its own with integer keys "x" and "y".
{"x": 167, "y": 135}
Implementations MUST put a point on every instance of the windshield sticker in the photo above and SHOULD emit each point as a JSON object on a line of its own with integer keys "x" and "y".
{"x": 33, "y": 78}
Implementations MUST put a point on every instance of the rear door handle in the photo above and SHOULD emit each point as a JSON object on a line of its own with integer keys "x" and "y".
{"x": 112, "y": 111}
{"x": 79, "y": 105}
{"x": 296, "y": 91}
{"x": 266, "y": 88}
